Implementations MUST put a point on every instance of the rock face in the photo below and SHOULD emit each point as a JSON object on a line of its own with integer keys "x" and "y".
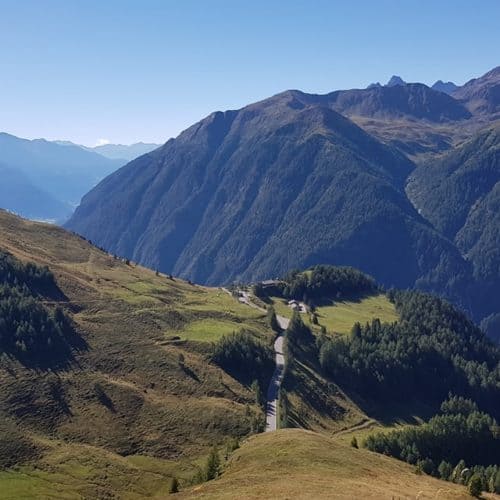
{"x": 283, "y": 183}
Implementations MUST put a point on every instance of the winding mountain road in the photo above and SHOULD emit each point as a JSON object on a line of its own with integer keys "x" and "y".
{"x": 275, "y": 384}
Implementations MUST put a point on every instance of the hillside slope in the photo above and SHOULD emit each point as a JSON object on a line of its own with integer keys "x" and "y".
{"x": 482, "y": 95}
{"x": 138, "y": 391}
{"x": 280, "y": 184}
{"x": 294, "y": 463}
{"x": 460, "y": 195}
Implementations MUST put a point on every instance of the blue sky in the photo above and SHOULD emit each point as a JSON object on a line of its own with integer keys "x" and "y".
{"x": 128, "y": 70}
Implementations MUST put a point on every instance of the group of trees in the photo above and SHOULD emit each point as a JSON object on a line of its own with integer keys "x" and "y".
{"x": 459, "y": 444}
{"x": 29, "y": 277}
{"x": 29, "y": 330}
{"x": 433, "y": 350}
{"x": 326, "y": 282}
{"x": 244, "y": 357}
{"x": 298, "y": 337}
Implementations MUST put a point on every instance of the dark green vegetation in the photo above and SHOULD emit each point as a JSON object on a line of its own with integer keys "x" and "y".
{"x": 459, "y": 444}
{"x": 322, "y": 283}
{"x": 460, "y": 195}
{"x": 245, "y": 358}
{"x": 30, "y": 331}
{"x": 433, "y": 350}
{"x": 289, "y": 182}
{"x": 136, "y": 399}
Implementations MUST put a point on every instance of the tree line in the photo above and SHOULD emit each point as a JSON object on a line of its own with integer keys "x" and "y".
{"x": 434, "y": 349}
{"x": 320, "y": 283}
{"x": 458, "y": 444}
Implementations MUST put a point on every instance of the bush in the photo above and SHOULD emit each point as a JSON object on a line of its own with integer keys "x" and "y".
{"x": 212, "y": 467}
{"x": 174, "y": 486}
{"x": 354, "y": 442}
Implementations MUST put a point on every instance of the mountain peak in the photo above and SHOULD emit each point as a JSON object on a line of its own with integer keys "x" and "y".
{"x": 395, "y": 80}
{"x": 446, "y": 87}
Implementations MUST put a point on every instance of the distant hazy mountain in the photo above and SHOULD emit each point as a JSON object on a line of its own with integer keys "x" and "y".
{"x": 446, "y": 87}
{"x": 65, "y": 172}
{"x": 125, "y": 152}
{"x": 19, "y": 195}
{"x": 395, "y": 80}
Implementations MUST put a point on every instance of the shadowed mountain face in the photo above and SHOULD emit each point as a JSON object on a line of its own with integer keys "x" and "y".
{"x": 482, "y": 95}
{"x": 412, "y": 117}
{"x": 460, "y": 195}
{"x": 399, "y": 100}
{"x": 282, "y": 183}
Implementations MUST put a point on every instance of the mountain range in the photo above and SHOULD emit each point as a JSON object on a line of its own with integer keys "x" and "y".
{"x": 300, "y": 179}
{"x": 122, "y": 152}
{"x": 45, "y": 180}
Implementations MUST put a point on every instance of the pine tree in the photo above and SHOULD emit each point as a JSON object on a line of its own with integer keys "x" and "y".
{"x": 475, "y": 485}
{"x": 445, "y": 470}
{"x": 271, "y": 318}
{"x": 258, "y": 394}
{"x": 213, "y": 465}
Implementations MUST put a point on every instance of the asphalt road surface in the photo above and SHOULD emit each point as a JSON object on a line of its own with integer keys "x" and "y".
{"x": 274, "y": 386}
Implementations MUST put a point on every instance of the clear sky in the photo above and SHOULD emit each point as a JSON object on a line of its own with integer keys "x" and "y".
{"x": 130, "y": 70}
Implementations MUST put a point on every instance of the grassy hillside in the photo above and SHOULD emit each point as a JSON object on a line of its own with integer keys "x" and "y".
{"x": 294, "y": 463}
{"x": 140, "y": 399}
{"x": 340, "y": 316}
